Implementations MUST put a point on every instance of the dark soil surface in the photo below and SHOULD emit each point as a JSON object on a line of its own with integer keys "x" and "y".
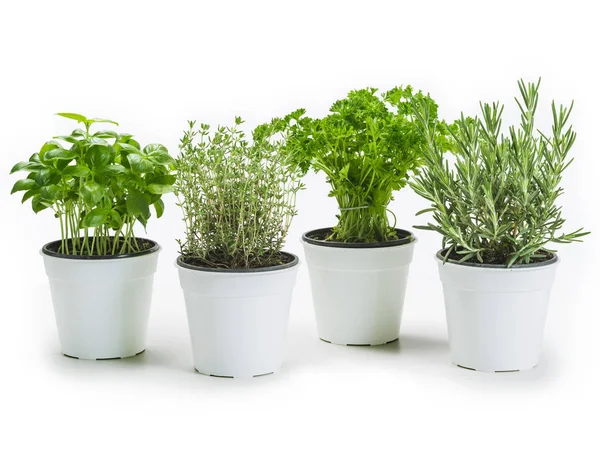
{"x": 275, "y": 260}
{"x": 143, "y": 244}
{"x": 325, "y": 235}
{"x": 498, "y": 259}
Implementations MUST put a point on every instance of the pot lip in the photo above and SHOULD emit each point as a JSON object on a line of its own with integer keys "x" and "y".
{"x": 535, "y": 265}
{"x": 409, "y": 238}
{"x": 179, "y": 262}
{"x": 45, "y": 251}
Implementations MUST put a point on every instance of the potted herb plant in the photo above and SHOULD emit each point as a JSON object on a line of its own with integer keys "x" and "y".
{"x": 99, "y": 185}
{"x": 238, "y": 200}
{"x": 496, "y": 210}
{"x": 367, "y": 147}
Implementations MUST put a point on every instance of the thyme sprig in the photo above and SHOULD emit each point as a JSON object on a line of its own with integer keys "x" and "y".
{"x": 237, "y": 196}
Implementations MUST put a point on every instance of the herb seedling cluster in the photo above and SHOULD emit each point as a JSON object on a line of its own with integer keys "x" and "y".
{"x": 237, "y": 196}
{"x": 99, "y": 184}
{"x": 498, "y": 204}
{"x": 367, "y": 147}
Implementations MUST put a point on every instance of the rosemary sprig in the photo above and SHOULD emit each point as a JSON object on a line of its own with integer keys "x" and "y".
{"x": 497, "y": 204}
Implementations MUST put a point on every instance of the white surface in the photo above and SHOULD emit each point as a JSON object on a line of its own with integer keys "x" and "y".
{"x": 101, "y": 307}
{"x": 358, "y": 293}
{"x": 238, "y": 321}
{"x": 496, "y": 316}
{"x": 152, "y": 66}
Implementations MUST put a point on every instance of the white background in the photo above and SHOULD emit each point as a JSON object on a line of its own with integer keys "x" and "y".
{"x": 153, "y": 65}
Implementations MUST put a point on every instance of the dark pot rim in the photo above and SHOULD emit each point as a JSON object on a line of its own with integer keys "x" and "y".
{"x": 546, "y": 262}
{"x": 408, "y": 237}
{"x": 46, "y": 251}
{"x": 292, "y": 263}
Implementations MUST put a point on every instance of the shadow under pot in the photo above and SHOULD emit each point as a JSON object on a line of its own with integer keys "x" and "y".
{"x": 495, "y": 314}
{"x": 101, "y": 303}
{"x": 238, "y": 318}
{"x": 358, "y": 289}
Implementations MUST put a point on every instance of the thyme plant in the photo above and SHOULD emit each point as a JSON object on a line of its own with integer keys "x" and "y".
{"x": 497, "y": 204}
{"x": 367, "y": 147}
{"x": 237, "y": 196}
{"x": 98, "y": 184}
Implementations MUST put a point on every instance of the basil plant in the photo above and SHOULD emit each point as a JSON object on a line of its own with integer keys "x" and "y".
{"x": 98, "y": 184}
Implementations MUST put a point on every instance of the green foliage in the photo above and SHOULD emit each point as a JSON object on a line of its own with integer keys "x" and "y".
{"x": 367, "y": 147}
{"x": 91, "y": 183}
{"x": 498, "y": 204}
{"x": 238, "y": 197}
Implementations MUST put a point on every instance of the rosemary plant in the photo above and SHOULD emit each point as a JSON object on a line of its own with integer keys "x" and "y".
{"x": 97, "y": 189}
{"x": 238, "y": 197}
{"x": 367, "y": 147}
{"x": 498, "y": 204}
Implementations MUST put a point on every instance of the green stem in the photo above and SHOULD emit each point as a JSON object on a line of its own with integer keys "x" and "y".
{"x": 116, "y": 240}
{"x": 62, "y": 232}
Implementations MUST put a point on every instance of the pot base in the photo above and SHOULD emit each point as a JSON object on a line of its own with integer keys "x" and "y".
{"x": 104, "y": 359}
{"x": 359, "y": 345}
{"x": 493, "y": 371}
{"x": 229, "y": 376}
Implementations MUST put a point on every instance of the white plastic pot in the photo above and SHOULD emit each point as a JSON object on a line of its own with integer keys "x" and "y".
{"x": 358, "y": 289}
{"x": 238, "y": 319}
{"x": 101, "y": 303}
{"x": 496, "y": 315}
